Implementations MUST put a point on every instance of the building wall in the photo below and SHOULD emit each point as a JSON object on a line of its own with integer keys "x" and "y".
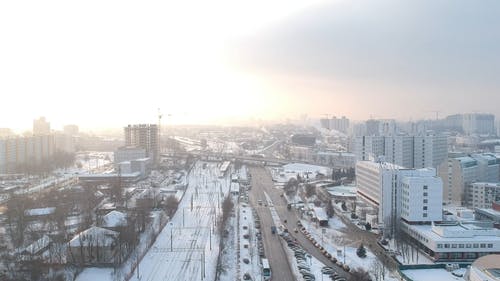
{"x": 407, "y": 151}
{"x": 451, "y": 174}
{"x": 482, "y": 195}
{"x": 128, "y": 154}
{"x": 421, "y": 199}
{"x": 145, "y": 136}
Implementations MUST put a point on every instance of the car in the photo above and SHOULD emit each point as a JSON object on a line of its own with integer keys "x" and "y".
{"x": 296, "y": 230}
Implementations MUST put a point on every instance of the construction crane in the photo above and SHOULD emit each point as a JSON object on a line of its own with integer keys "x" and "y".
{"x": 159, "y": 130}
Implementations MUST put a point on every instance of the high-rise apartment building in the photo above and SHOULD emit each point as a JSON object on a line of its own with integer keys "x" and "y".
{"x": 339, "y": 124}
{"x": 144, "y": 136}
{"x": 71, "y": 130}
{"x": 407, "y": 151}
{"x": 479, "y": 123}
{"x": 41, "y": 126}
{"x": 17, "y": 151}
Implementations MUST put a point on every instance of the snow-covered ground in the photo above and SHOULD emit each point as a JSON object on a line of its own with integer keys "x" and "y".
{"x": 187, "y": 248}
{"x": 109, "y": 274}
{"x": 248, "y": 246}
{"x": 285, "y": 173}
{"x": 337, "y": 242}
{"x": 229, "y": 255}
{"x": 431, "y": 274}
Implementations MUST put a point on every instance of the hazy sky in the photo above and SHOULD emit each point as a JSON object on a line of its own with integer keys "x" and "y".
{"x": 109, "y": 63}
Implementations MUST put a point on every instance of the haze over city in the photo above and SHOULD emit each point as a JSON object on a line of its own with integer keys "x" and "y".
{"x": 77, "y": 62}
{"x": 265, "y": 140}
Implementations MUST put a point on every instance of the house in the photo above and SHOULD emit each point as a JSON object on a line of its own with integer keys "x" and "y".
{"x": 94, "y": 246}
{"x": 114, "y": 220}
{"x": 35, "y": 250}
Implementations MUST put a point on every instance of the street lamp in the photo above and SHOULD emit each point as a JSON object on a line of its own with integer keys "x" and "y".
{"x": 171, "y": 237}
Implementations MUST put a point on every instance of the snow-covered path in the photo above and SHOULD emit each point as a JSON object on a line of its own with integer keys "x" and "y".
{"x": 187, "y": 248}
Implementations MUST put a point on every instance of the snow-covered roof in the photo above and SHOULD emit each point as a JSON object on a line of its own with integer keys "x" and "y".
{"x": 38, "y": 245}
{"x": 306, "y": 168}
{"x": 114, "y": 219}
{"x": 95, "y": 236}
{"x": 39, "y": 211}
{"x": 320, "y": 214}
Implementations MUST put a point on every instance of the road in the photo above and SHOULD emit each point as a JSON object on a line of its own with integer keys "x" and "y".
{"x": 272, "y": 245}
{"x": 262, "y": 182}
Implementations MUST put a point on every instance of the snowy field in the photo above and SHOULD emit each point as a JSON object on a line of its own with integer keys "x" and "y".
{"x": 187, "y": 248}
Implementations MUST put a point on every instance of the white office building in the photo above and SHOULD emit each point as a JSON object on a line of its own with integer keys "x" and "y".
{"x": 457, "y": 173}
{"x": 454, "y": 241}
{"x": 382, "y": 185}
{"x": 421, "y": 199}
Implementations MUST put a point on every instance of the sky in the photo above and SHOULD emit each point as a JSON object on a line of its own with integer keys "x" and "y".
{"x": 109, "y": 63}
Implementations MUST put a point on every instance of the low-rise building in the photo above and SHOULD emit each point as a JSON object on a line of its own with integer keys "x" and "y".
{"x": 485, "y": 268}
{"x": 455, "y": 242}
{"x": 94, "y": 246}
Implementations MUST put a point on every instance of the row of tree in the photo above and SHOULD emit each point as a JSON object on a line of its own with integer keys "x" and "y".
{"x": 60, "y": 159}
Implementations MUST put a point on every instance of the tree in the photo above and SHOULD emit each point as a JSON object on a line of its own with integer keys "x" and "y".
{"x": 330, "y": 211}
{"x": 361, "y": 251}
{"x": 227, "y": 207}
{"x": 291, "y": 187}
{"x": 359, "y": 275}
{"x": 368, "y": 226}
{"x": 310, "y": 190}
{"x": 378, "y": 270}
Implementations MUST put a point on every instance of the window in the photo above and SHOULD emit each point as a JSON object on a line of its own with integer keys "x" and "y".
{"x": 446, "y": 245}
{"x": 425, "y": 187}
{"x": 425, "y": 201}
{"x": 425, "y": 215}
{"x": 440, "y": 245}
{"x": 460, "y": 245}
{"x": 468, "y": 246}
{"x": 483, "y": 245}
{"x": 490, "y": 245}
{"x": 425, "y": 208}
{"x": 425, "y": 193}
{"x": 453, "y": 245}
{"x": 475, "y": 245}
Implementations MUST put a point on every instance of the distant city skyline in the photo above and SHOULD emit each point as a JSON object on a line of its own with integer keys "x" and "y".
{"x": 232, "y": 63}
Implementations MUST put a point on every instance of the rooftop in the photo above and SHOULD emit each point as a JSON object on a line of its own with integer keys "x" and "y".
{"x": 457, "y": 232}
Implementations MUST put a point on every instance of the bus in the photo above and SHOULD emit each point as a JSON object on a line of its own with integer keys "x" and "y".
{"x": 266, "y": 269}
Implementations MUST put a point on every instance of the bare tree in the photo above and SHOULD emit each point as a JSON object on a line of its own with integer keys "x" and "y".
{"x": 378, "y": 270}
{"x": 359, "y": 275}
{"x": 310, "y": 190}
{"x": 171, "y": 204}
